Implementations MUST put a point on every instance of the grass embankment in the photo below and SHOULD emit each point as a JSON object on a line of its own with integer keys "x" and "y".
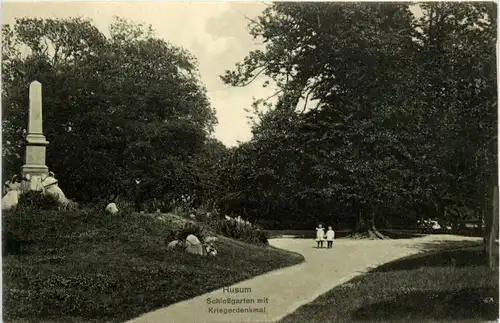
{"x": 449, "y": 286}
{"x": 82, "y": 266}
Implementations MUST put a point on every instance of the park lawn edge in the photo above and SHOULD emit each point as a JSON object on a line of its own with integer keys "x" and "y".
{"x": 452, "y": 285}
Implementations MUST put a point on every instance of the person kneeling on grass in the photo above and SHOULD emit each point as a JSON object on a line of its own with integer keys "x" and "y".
{"x": 320, "y": 235}
{"x": 330, "y": 235}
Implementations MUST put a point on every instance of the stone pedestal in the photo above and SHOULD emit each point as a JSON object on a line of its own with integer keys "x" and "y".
{"x": 35, "y": 156}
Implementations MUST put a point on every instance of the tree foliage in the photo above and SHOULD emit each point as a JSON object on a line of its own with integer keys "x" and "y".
{"x": 405, "y": 115}
{"x": 115, "y": 108}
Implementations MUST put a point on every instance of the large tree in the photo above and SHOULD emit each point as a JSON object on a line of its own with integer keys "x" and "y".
{"x": 115, "y": 108}
{"x": 395, "y": 96}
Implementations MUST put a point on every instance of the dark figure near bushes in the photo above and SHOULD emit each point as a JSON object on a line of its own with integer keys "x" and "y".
{"x": 138, "y": 195}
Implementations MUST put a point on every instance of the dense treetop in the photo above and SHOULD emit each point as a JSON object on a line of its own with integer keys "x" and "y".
{"x": 405, "y": 112}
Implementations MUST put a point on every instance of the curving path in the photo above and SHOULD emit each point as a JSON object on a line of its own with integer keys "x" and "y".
{"x": 283, "y": 291}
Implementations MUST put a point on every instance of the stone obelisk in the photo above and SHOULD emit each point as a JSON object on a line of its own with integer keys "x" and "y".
{"x": 34, "y": 160}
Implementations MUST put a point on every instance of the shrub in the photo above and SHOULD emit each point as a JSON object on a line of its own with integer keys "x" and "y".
{"x": 183, "y": 206}
{"x": 239, "y": 230}
{"x": 197, "y": 230}
{"x": 201, "y": 215}
{"x": 187, "y": 229}
{"x": 157, "y": 204}
{"x": 70, "y": 206}
{"x": 38, "y": 201}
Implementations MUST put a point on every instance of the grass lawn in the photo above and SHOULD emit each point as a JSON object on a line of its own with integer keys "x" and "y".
{"x": 84, "y": 267}
{"x": 451, "y": 286}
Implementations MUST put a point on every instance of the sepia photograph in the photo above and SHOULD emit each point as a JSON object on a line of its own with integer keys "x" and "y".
{"x": 249, "y": 162}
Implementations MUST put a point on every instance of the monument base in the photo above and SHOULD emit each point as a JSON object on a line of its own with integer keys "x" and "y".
{"x": 34, "y": 170}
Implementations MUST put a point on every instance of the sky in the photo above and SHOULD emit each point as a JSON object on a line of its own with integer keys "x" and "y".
{"x": 215, "y": 33}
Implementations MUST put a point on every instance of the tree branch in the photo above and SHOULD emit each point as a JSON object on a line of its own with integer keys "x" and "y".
{"x": 46, "y": 49}
{"x": 56, "y": 55}
{"x": 309, "y": 93}
{"x": 253, "y": 78}
{"x": 272, "y": 96}
{"x": 248, "y": 18}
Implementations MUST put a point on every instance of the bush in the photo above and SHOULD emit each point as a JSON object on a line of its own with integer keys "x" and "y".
{"x": 239, "y": 230}
{"x": 183, "y": 206}
{"x": 124, "y": 205}
{"x": 187, "y": 229}
{"x": 152, "y": 205}
{"x": 200, "y": 215}
{"x": 38, "y": 201}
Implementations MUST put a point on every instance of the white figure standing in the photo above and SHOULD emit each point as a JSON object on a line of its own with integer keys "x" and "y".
{"x": 330, "y": 235}
{"x": 320, "y": 235}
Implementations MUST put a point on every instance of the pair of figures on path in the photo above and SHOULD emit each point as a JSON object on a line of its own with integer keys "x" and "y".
{"x": 321, "y": 236}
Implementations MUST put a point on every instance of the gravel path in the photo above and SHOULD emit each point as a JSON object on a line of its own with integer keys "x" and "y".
{"x": 278, "y": 293}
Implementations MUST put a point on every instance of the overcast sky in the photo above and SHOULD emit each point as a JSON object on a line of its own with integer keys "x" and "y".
{"x": 215, "y": 33}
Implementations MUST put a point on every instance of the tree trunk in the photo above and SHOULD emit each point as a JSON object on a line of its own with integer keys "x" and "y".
{"x": 488, "y": 221}
{"x": 479, "y": 215}
{"x": 360, "y": 222}
{"x": 373, "y": 230}
{"x": 367, "y": 225}
{"x": 492, "y": 229}
{"x": 363, "y": 224}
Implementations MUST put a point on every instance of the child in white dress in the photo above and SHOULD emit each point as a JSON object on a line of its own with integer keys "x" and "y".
{"x": 320, "y": 235}
{"x": 330, "y": 235}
